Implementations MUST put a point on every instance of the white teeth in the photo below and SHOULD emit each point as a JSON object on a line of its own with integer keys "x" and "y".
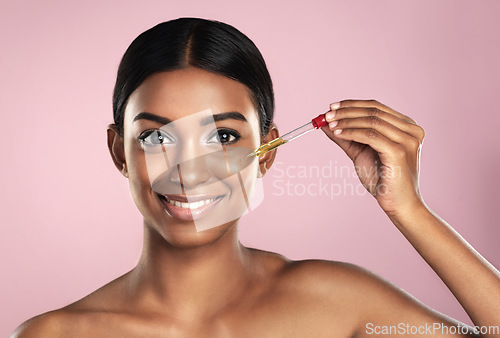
{"x": 192, "y": 205}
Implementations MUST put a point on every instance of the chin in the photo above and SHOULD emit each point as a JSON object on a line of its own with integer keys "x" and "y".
{"x": 185, "y": 236}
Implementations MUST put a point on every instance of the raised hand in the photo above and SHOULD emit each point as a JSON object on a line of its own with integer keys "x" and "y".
{"x": 384, "y": 146}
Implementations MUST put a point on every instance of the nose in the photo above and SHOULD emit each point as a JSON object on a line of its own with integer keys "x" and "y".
{"x": 190, "y": 167}
{"x": 192, "y": 173}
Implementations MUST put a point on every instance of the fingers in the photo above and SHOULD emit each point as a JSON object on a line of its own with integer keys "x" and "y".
{"x": 372, "y": 114}
{"x": 369, "y": 104}
{"x": 385, "y": 147}
{"x": 374, "y": 123}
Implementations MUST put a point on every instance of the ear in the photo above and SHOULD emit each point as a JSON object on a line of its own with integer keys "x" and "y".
{"x": 266, "y": 160}
{"x": 117, "y": 149}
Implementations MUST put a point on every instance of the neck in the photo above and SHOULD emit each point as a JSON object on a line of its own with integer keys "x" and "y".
{"x": 194, "y": 282}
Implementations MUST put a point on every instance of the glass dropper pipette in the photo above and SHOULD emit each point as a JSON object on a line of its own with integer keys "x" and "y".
{"x": 317, "y": 122}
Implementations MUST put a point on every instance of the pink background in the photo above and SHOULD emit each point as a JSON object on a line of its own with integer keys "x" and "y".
{"x": 69, "y": 224}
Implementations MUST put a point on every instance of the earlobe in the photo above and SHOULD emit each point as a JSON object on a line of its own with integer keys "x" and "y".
{"x": 261, "y": 172}
{"x": 116, "y": 149}
{"x": 266, "y": 160}
{"x": 265, "y": 163}
{"x": 124, "y": 170}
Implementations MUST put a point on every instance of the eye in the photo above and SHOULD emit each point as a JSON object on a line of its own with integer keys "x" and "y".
{"x": 156, "y": 137}
{"x": 224, "y": 137}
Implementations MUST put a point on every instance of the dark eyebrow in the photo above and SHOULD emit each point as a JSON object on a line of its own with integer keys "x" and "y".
{"x": 223, "y": 116}
{"x": 152, "y": 117}
{"x": 203, "y": 122}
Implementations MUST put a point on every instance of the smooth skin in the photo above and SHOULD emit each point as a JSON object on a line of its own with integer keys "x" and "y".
{"x": 207, "y": 284}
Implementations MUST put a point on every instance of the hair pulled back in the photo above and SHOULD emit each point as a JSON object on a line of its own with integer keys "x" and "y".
{"x": 206, "y": 44}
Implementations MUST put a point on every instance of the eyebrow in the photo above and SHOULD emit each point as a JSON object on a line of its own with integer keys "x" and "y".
{"x": 152, "y": 117}
{"x": 223, "y": 116}
{"x": 207, "y": 120}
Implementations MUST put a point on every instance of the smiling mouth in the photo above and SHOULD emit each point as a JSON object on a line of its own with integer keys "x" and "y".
{"x": 190, "y": 205}
{"x": 188, "y": 209}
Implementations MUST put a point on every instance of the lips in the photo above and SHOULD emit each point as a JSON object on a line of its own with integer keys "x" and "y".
{"x": 189, "y": 208}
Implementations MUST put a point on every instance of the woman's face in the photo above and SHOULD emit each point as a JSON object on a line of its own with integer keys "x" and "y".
{"x": 186, "y": 134}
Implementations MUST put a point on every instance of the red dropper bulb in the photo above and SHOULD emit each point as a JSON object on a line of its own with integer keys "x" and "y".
{"x": 319, "y": 121}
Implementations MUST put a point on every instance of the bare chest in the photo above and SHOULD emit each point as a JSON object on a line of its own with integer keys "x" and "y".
{"x": 272, "y": 320}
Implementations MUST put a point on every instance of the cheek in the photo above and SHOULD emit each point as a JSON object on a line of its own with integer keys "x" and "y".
{"x": 242, "y": 185}
{"x": 240, "y": 188}
{"x": 249, "y": 177}
{"x": 140, "y": 186}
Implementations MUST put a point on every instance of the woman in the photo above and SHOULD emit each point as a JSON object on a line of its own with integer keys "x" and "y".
{"x": 192, "y": 98}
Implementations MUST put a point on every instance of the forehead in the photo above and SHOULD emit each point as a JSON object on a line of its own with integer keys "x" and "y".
{"x": 179, "y": 93}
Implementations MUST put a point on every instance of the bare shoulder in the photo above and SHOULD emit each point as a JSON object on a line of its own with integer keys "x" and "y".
{"x": 324, "y": 295}
{"x": 317, "y": 275}
{"x": 50, "y": 324}
{"x": 327, "y": 274}
{"x": 362, "y": 299}
{"x": 338, "y": 281}
{"x": 346, "y": 284}
{"x": 75, "y": 317}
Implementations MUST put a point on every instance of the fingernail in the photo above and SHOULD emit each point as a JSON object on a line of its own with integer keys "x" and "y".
{"x": 337, "y": 132}
{"x": 335, "y": 105}
{"x": 330, "y": 115}
{"x": 333, "y": 124}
